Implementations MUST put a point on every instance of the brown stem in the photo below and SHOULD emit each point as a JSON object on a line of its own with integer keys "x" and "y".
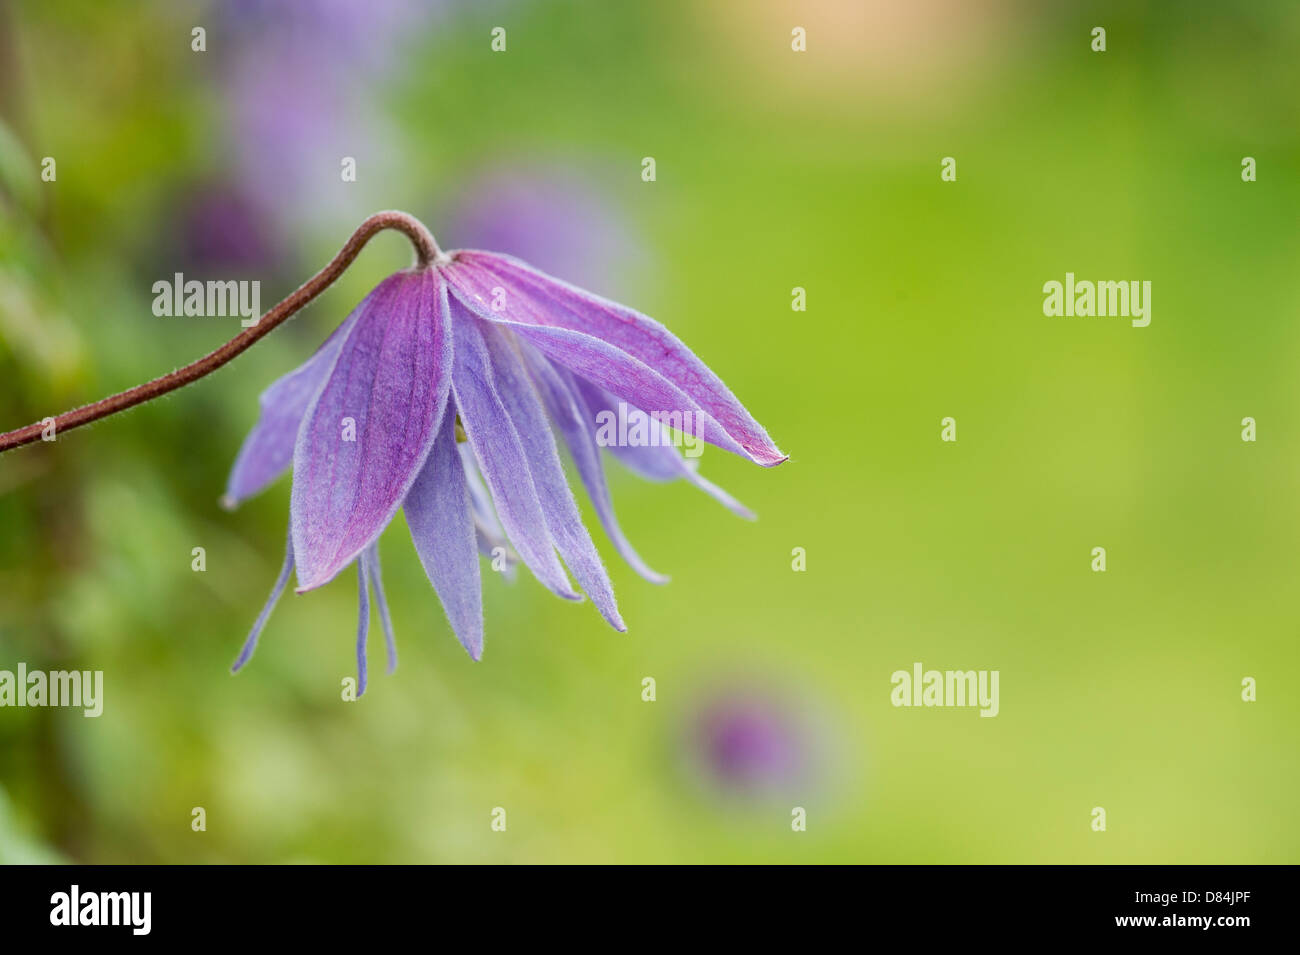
{"x": 426, "y": 250}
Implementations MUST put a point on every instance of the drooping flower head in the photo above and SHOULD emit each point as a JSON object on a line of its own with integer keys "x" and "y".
{"x": 441, "y": 395}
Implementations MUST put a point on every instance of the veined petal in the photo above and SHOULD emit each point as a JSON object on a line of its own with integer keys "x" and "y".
{"x": 501, "y": 456}
{"x": 655, "y": 461}
{"x": 438, "y": 514}
{"x": 576, "y": 423}
{"x": 616, "y": 371}
{"x": 368, "y": 431}
{"x": 535, "y": 299}
{"x": 370, "y": 565}
{"x": 558, "y": 507}
{"x": 268, "y": 449}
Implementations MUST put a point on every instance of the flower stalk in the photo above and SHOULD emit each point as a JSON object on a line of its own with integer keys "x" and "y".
{"x": 427, "y": 253}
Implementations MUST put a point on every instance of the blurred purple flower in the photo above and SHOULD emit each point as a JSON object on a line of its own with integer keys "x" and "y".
{"x": 750, "y": 743}
{"x": 553, "y": 217}
{"x": 220, "y": 228}
{"x": 475, "y": 349}
{"x": 301, "y": 82}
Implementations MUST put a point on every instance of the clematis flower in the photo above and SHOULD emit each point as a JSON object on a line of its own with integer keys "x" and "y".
{"x": 441, "y": 394}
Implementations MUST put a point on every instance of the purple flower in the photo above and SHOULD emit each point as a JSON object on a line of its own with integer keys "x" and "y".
{"x": 552, "y": 215}
{"x": 221, "y": 228}
{"x": 752, "y": 742}
{"x": 746, "y": 745}
{"x": 302, "y": 85}
{"x": 438, "y": 395}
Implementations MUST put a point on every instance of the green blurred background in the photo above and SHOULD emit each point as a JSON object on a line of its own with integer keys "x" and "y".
{"x": 775, "y": 169}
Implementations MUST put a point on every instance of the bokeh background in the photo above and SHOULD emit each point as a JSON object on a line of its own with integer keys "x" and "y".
{"x": 775, "y": 169}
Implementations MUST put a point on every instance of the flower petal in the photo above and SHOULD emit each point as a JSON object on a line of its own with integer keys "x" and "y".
{"x": 657, "y": 461}
{"x": 493, "y": 547}
{"x": 363, "y": 628}
{"x": 576, "y": 423}
{"x": 535, "y": 299}
{"x": 500, "y": 453}
{"x": 250, "y": 644}
{"x": 479, "y": 498}
{"x": 268, "y": 449}
{"x": 618, "y": 372}
{"x": 520, "y": 400}
{"x": 367, "y": 433}
{"x": 438, "y": 514}
{"x": 370, "y": 564}
{"x": 487, "y": 529}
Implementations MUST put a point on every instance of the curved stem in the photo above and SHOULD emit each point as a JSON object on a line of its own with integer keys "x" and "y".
{"x": 427, "y": 252}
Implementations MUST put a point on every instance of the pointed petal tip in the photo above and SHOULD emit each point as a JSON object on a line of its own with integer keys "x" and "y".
{"x": 320, "y": 579}
{"x": 721, "y": 496}
{"x": 611, "y": 616}
{"x": 227, "y": 502}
